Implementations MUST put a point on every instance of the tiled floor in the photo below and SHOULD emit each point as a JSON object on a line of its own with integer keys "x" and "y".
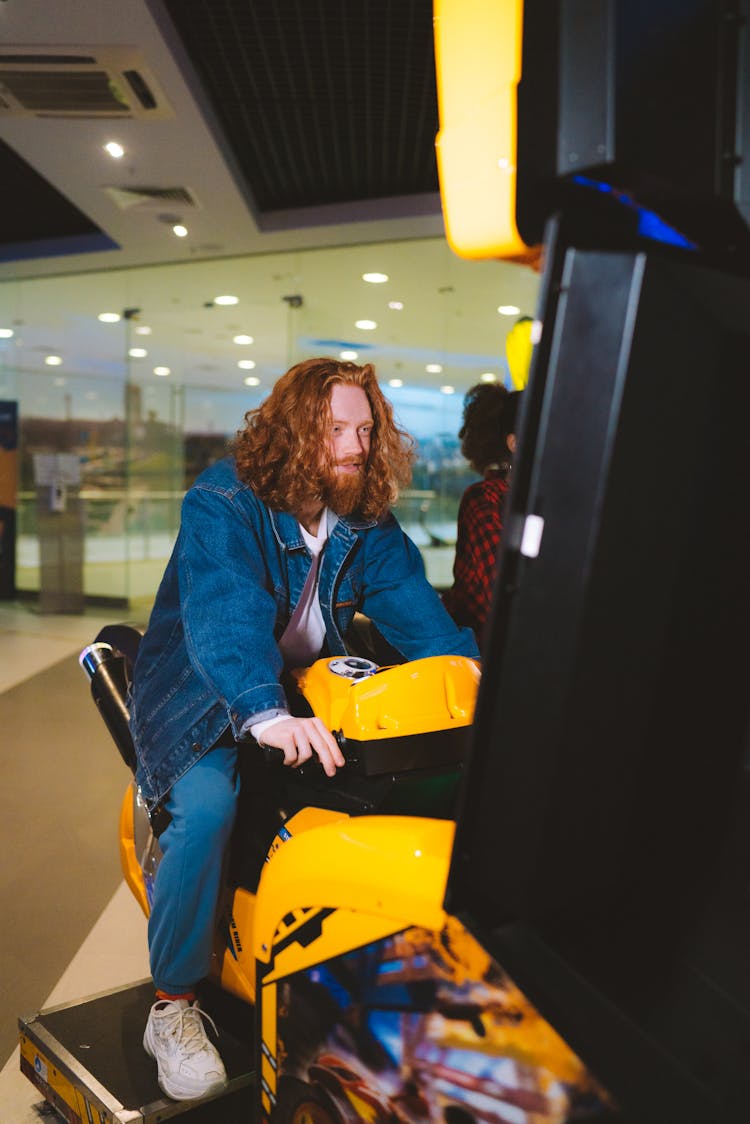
{"x": 70, "y": 927}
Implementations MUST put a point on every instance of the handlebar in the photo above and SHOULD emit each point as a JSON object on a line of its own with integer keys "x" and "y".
{"x": 274, "y": 757}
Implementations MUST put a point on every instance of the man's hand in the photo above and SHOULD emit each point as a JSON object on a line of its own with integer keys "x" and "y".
{"x": 300, "y": 738}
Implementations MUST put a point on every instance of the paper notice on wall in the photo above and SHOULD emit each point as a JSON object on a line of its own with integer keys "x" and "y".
{"x": 57, "y": 469}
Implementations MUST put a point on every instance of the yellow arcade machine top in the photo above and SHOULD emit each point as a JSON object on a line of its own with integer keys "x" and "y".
{"x": 612, "y": 723}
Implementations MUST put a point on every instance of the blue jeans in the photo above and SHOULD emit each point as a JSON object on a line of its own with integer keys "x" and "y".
{"x": 202, "y": 804}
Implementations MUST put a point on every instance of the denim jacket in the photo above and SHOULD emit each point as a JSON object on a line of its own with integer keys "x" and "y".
{"x": 210, "y": 659}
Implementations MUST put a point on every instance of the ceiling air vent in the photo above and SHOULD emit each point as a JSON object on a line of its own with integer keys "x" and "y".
{"x": 151, "y": 198}
{"x": 93, "y": 82}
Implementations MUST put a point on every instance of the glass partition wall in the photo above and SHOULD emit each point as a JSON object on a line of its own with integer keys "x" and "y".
{"x": 130, "y": 382}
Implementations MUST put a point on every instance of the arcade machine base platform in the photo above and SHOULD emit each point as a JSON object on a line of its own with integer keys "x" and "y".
{"x": 88, "y": 1062}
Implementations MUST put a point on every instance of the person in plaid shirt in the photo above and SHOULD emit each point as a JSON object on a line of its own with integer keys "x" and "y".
{"x": 488, "y": 442}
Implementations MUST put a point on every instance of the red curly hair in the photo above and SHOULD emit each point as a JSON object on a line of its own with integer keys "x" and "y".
{"x": 283, "y": 450}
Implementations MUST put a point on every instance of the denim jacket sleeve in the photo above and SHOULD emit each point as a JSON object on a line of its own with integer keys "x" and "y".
{"x": 399, "y": 599}
{"x": 228, "y": 606}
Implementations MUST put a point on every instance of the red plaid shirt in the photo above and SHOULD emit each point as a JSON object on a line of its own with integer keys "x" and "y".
{"x": 480, "y": 525}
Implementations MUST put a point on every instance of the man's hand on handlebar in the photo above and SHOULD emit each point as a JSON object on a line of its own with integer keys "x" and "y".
{"x": 299, "y": 739}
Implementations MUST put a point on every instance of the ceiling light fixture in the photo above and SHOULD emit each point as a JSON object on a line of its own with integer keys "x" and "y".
{"x": 108, "y": 317}
{"x": 365, "y": 325}
{"x": 114, "y": 149}
{"x": 508, "y": 309}
{"x": 252, "y": 380}
{"x": 395, "y": 383}
{"x": 180, "y": 230}
{"x": 6, "y": 333}
{"x": 143, "y": 330}
{"x": 137, "y": 353}
{"x": 375, "y": 278}
{"x": 350, "y": 356}
{"x": 397, "y": 306}
{"x": 433, "y": 368}
{"x": 53, "y": 360}
{"x": 447, "y": 390}
{"x": 226, "y": 299}
{"x": 243, "y": 339}
{"x": 162, "y": 371}
{"x": 246, "y": 364}
{"x": 488, "y": 376}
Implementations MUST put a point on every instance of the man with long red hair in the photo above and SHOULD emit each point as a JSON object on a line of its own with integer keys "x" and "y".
{"x": 279, "y": 545}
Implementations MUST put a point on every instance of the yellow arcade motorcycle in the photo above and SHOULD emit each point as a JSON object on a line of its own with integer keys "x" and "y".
{"x": 369, "y": 1001}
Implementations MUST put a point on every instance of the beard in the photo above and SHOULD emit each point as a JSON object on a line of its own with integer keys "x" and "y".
{"x": 343, "y": 492}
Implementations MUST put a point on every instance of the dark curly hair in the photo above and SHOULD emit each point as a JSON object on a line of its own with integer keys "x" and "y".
{"x": 282, "y": 452}
{"x": 488, "y": 420}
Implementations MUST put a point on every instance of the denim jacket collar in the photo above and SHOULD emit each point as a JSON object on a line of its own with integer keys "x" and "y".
{"x": 288, "y": 535}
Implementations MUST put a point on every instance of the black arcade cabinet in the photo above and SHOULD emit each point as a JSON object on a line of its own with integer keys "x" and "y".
{"x": 603, "y": 847}
{"x": 602, "y": 850}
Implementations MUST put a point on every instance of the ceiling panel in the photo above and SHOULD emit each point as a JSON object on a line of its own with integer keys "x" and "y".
{"x": 322, "y": 102}
{"x": 295, "y": 141}
{"x": 289, "y": 124}
{"x": 36, "y": 217}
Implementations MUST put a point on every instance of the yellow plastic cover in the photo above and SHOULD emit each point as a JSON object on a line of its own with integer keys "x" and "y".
{"x": 437, "y": 693}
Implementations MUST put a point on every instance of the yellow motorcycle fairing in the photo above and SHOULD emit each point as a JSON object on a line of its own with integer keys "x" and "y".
{"x": 233, "y": 965}
{"x": 381, "y": 873}
{"x": 423, "y": 696}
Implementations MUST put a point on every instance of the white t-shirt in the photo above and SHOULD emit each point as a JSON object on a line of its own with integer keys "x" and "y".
{"x": 303, "y": 637}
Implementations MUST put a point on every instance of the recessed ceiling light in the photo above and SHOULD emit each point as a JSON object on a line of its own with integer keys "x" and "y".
{"x": 349, "y": 355}
{"x": 488, "y": 376}
{"x": 114, "y": 149}
{"x": 365, "y": 325}
{"x": 375, "y": 278}
{"x": 243, "y": 339}
{"x": 246, "y": 364}
{"x": 53, "y": 360}
{"x": 508, "y": 309}
{"x": 108, "y": 317}
{"x": 226, "y": 299}
{"x": 447, "y": 390}
{"x": 162, "y": 371}
{"x": 180, "y": 230}
{"x": 252, "y": 380}
{"x": 137, "y": 353}
{"x": 395, "y": 383}
{"x": 433, "y": 368}
{"x": 397, "y": 306}
{"x": 143, "y": 330}
{"x": 6, "y": 333}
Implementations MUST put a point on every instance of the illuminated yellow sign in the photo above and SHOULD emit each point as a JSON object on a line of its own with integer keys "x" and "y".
{"x": 478, "y": 60}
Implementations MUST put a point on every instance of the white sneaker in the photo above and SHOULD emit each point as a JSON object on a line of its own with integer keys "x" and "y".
{"x": 188, "y": 1063}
